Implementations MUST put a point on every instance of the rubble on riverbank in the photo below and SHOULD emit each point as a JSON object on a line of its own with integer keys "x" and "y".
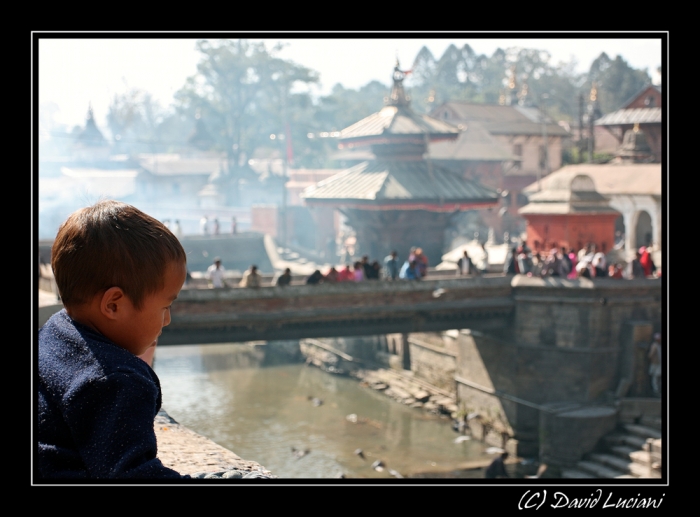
{"x": 404, "y": 388}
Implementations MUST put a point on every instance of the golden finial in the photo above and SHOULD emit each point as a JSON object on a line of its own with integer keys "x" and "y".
{"x": 636, "y": 127}
{"x": 511, "y": 82}
{"x": 523, "y": 91}
{"x": 594, "y": 92}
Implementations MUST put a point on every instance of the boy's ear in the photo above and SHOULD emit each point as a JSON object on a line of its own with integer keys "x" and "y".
{"x": 111, "y": 302}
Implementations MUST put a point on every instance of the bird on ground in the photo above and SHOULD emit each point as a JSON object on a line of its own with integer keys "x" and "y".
{"x": 378, "y": 465}
{"x": 360, "y": 453}
{"x": 299, "y": 453}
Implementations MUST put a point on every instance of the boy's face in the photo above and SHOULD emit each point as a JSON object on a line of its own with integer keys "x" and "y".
{"x": 144, "y": 325}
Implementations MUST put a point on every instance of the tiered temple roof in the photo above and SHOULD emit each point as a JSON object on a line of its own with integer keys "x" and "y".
{"x": 400, "y": 178}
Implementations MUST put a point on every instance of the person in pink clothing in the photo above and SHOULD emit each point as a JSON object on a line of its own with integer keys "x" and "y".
{"x": 358, "y": 272}
{"x": 573, "y": 257}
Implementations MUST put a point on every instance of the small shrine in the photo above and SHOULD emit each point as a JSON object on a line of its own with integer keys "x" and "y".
{"x": 90, "y": 144}
{"x": 634, "y": 148}
{"x": 569, "y": 212}
{"x": 399, "y": 199}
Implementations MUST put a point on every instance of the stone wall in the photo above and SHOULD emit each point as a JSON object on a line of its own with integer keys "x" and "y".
{"x": 569, "y": 340}
{"x": 568, "y": 434}
{"x": 237, "y": 252}
{"x": 433, "y": 360}
{"x": 487, "y": 375}
{"x": 571, "y": 345}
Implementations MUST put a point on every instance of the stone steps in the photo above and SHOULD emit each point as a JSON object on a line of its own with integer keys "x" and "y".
{"x": 598, "y": 470}
{"x": 619, "y": 438}
{"x": 642, "y": 431}
{"x": 631, "y": 467}
{"x": 634, "y": 451}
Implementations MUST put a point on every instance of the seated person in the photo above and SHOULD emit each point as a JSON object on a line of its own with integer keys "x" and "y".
{"x": 345, "y": 274}
{"x": 118, "y": 271}
{"x": 251, "y": 278}
{"x": 358, "y": 272}
{"x": 284, "y": 279}
{"x": 332, "y": 276}
{"x": 374, "y": 271}
{"x": 409, "y": 271}
{"x": 315, "y": 278}
{"x": 615, "y": 271}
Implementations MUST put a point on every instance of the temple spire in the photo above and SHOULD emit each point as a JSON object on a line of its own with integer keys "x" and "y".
{"x": 398, "y": 95}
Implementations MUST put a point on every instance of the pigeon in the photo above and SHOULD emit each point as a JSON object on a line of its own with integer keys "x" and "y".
{"x": 299, "y": 453}
{"x": 360, "y": 453}
{"x": 378, "y": 465}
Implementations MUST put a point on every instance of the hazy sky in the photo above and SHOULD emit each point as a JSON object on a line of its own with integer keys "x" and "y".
{"x": 79, "y": 70}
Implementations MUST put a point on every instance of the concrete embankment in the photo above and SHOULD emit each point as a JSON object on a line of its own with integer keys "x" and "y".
{"x": 187, "y": 452}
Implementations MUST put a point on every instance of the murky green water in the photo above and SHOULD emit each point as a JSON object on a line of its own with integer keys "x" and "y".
{"x": 265, "y": 413}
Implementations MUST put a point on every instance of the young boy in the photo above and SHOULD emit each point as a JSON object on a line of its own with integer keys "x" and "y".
{"x": 118, "y": 271}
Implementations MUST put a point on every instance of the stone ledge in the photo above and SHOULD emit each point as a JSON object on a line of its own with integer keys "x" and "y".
{"x": 187, "y": 452}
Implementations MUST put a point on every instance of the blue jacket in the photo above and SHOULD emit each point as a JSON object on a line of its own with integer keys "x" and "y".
{"x": 407, "y": 273}
{"x": 96, "y": 407}
{"x": 391, "y": 267}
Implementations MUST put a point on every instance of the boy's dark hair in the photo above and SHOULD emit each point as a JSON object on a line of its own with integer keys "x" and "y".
{"x": 112, "y": 244}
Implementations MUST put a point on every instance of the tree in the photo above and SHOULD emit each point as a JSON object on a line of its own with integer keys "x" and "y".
{"x": 133, "y": 119}
{"x": 616, "y": 81}
{"x": 242, "y": 92}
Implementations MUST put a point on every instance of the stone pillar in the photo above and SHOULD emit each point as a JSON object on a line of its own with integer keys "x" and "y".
{"x": 405, "y": 352}
{"x": 629, "y": 236}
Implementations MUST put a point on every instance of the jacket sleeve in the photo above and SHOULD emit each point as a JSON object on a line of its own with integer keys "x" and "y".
{"x": 111, "y": 420}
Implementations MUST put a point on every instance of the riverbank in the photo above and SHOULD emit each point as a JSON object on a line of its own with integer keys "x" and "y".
{"x": 403, "y": 387}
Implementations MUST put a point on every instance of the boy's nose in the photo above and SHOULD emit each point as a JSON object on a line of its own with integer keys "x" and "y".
{"x": 166, "y": 320}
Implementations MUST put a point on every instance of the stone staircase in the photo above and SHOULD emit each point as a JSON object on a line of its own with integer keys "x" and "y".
{"x": 632, "y": 451}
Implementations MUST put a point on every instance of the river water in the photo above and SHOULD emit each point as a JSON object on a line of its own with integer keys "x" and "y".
{"x": 266, "y": 413}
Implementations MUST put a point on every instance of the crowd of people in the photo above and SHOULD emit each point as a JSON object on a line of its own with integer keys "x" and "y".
{"x": 588, "y": 262}
{"x": 414, "y": 267}
{"x": 213, "y": 226}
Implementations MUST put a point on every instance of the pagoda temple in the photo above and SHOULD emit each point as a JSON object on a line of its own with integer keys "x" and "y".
{"x": 399, "y": 199}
